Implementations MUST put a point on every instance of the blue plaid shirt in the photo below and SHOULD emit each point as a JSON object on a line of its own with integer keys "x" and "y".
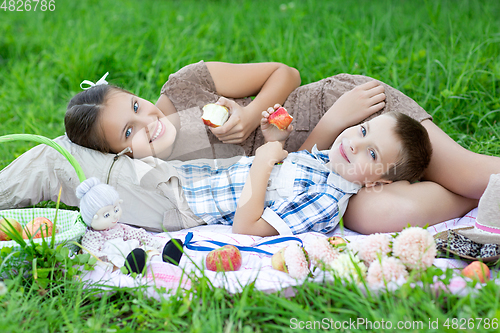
{"x": 302, "y": 193}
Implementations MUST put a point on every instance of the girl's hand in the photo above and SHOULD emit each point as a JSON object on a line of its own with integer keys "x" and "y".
{"x": 359, "y": 103}
{"x": 271, "y": 132}
{"x": 239, "y": 125}
{"x": 271, "y": 153}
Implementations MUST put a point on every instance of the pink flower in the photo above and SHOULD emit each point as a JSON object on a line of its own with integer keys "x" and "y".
{"x": 389, "y": 269}
{"x": 321, "y": 251}
{"x": 292, "y": 260}
{"x": 374, "y": 246}
{"x": 415, "y": 247}
{"x": 296, "y": 262}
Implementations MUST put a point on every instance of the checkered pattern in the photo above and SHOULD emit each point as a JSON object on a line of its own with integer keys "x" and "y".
{"x": 213, "y": 191}
{"x": 69, "y": 224}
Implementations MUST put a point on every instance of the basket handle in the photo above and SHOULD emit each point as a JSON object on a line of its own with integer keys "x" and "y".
{"x": 49, "y": 142}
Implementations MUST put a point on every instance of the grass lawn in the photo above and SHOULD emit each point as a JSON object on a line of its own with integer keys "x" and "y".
{"x": 443, "y": 54}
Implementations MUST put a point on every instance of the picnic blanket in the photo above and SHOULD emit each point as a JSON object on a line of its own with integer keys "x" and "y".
{"x": 256, "y": 267}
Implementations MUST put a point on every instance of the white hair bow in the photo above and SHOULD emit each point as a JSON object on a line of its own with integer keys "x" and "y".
{"x": 90, "y": 84}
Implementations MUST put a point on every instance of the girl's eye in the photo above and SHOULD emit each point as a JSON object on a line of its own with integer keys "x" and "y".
{"x": 373, "y": 155}
{"x": 363, "y": 130}
{"x": 117, "y": 209}
{"x": 128, "y": 132}
{"x": 106, "y": 215}
{"x": 136, "y": 107}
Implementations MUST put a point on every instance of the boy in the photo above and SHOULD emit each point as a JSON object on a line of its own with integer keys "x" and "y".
{"x": 309, "y": 191}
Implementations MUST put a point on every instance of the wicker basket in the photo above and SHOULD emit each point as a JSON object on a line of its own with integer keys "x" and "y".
{"x": 69, "y": 225}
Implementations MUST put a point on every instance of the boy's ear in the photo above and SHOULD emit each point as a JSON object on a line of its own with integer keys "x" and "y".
{"x": 378, "y": 182}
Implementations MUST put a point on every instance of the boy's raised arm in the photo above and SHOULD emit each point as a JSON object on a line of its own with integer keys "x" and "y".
{"x": 351, "y": 108}
{"x": 247, "y": 219}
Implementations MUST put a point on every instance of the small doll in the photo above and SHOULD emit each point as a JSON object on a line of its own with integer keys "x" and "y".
{"x": 118, "y": 243}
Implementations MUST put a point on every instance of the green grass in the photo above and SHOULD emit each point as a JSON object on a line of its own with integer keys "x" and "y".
{"x": 444, "y": 54}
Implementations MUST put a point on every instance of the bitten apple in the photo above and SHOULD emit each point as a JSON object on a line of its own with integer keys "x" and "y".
{"x": 280, "y": 118}
{"x": 36, "y": 226}
{"x": 223, "y": 259}
{"x": 214, "y": 115}
{"x": 5, "y": 226}
{"x": 477, "y": 270}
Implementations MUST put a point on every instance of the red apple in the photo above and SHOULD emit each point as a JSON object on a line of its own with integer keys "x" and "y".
{"x": 214, "y": 115}
{"x": 477, "y": 270}
{"x": 280, "y": 118}
{"x": 223, "y": 259}
{"x": 36, "y": 226}
{"x": 5, "y": 226}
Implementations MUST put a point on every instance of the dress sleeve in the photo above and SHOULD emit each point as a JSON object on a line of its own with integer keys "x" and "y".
{"x": 191, "y": 86}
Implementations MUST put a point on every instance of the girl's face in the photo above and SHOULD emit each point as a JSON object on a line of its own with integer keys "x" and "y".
{"x": 130, "y": 121}
{"x": 363, "y": 153}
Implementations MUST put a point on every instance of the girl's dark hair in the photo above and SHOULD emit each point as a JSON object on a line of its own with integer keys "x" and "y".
{"x": 82, "y": 115}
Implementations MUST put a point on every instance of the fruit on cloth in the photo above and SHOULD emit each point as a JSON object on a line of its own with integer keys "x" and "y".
{"x": 336, "y": 240}
{"x": 4, "y": 225}
{"x": 36, "y": 226}
{"x": 223, "y": 259}
{"x": 280, "y": 118}
{"x": 477, "y": 271}
{"x": 278, "y": 261}
{"x": 214, "y": 115}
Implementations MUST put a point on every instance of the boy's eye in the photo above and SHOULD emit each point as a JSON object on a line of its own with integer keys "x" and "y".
{"x": 106, "y": 215}
{"x": 136, "y": 107}
{"x": 128, "y": 132}
{"x": 373, "y": 155}
{"x": 363, "y": 130}
{"x": 117, "y": 209}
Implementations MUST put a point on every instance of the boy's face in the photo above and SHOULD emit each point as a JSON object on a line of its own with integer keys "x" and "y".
{"x": 363, "y": 153}
{"x": 130, "y": 121}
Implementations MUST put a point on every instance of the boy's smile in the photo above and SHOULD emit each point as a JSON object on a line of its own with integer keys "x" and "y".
{"x": 363, "y": 153}
{"x": 130, "y": 121}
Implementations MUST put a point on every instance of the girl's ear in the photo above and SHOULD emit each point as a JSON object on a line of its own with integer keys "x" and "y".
{"x": 120, "y": 201}
{"x": 378, "y": 182}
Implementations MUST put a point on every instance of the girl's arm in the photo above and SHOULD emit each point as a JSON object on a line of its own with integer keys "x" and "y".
{"x": 351, "y": 108}
{"x": 247, "y": 219}
{"x": 269, "y": 82}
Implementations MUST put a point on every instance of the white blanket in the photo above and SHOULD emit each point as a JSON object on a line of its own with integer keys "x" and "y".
{"x": 255, "y": 267}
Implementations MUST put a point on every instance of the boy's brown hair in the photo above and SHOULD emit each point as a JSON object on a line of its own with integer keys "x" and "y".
{"x": 416, "y": 149}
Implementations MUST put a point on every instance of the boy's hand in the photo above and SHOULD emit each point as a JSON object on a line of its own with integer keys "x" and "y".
{"x": 271, "y": 132}
{"x": 359, "y": 103}
{"x": 271, "y": 152}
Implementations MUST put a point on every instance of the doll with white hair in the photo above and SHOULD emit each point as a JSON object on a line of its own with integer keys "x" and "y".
{"x": 113, "y": 242}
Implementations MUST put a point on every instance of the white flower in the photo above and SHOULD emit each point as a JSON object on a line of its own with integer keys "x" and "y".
{"x": 348, "y": 267}
{"x": 3, "y": 288}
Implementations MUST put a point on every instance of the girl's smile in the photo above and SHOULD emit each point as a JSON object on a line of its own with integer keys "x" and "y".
{"x": 130, "y": 121}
